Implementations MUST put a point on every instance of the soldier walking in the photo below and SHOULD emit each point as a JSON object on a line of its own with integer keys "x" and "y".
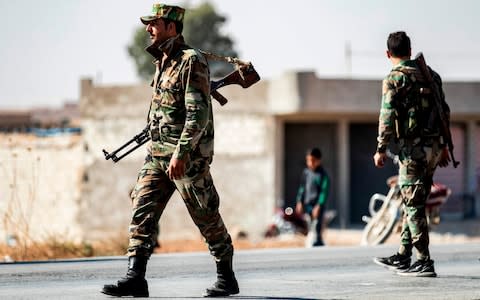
{"x": 179, "y": 156}
{"x": 408, "y": 116}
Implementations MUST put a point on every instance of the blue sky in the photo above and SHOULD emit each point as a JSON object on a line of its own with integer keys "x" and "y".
{"x": 47, "y": 46}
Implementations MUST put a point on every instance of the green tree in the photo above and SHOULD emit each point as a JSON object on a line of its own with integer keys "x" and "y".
{"x": 136, "y": 50}
{"x": 202, "y": 26}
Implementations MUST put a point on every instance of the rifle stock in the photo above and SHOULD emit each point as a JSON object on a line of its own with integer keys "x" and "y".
{"x": 245, "y": 76}
{"x": 219, "y": 97}
{"x": 420, "y": 60}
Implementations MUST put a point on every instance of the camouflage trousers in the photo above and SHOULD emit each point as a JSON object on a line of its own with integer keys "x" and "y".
{"x": 154, "y": 189}
{"x": 417, "y": 166}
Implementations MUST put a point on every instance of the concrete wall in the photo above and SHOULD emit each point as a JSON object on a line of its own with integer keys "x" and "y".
{"x": 250, "y": 131}
{"x": 63, "y": 186}
{"x": 40, "y": 187}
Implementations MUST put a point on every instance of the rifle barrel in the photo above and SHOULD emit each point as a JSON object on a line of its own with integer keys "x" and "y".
{"x": 438, "y": 104}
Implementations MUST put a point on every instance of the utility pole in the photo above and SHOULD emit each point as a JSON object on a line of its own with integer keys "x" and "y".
{"x": 348, "y": 58}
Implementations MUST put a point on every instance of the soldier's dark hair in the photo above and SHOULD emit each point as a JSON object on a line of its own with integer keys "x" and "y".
{"x": 178, "y": 25}
{"x": 398, "y": 44}
{"x": 315, "y": 152}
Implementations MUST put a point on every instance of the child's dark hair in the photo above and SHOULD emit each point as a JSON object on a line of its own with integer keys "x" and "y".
{"x": 315, "y": 152}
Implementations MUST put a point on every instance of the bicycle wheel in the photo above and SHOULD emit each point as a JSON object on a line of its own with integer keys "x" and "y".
{"x": 380, "y": 226}
{"x": 373, "y": 203}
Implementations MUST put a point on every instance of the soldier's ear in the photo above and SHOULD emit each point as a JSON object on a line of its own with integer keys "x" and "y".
{"x": 389, "y": 54}
{"x": 172, "y": 28}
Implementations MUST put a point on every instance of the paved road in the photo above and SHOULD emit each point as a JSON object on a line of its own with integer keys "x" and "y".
{"x": 320, "y": 273}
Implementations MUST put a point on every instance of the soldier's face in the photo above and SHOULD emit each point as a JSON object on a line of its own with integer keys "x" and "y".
{"x": 159, "y": 33}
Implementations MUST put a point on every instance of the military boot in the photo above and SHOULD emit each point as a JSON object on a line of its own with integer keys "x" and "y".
{"x": 226, "y": 283}
{"x": 134, "y": 283}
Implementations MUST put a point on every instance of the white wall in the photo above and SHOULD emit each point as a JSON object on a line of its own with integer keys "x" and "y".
{"x": 40, "y": 187}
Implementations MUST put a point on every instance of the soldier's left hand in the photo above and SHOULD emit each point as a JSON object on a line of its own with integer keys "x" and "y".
{"x": 176, "y": 169}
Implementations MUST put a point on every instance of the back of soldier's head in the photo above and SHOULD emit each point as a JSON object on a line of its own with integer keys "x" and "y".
{"x": 398, "y": 43}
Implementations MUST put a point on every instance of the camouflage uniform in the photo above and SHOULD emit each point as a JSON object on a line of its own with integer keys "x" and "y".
{"x": 407, "y": 115}
{"x": 181, "y": 126}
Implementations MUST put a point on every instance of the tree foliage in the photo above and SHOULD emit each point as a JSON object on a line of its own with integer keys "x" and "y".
{"x": 202, "y": 30}
{"x": 136, "y": 50}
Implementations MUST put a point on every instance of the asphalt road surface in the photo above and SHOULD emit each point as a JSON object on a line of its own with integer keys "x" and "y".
{"x": 318, "y": 273}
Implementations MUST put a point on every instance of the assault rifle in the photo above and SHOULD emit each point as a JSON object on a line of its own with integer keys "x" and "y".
{"x": 244, "y": 75}
{"x": 445, "y": 129}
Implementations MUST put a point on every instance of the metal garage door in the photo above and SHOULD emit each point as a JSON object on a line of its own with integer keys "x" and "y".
{"x": 454, "y": 178}
{"x": 365, "y": 178}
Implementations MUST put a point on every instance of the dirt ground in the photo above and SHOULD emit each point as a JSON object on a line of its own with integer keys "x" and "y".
{"x": 332, "y": 237}
{"x": 465, "y": 231}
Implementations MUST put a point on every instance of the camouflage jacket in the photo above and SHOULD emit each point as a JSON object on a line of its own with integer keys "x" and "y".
{"x": 407, "y": 110}
{"x": 180, "y": 115}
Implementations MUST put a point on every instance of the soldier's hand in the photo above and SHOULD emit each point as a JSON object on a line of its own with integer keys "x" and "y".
{"x": 176, "y": 169}
{"x": 444, "y": 158}
{"x": 379, "y": 159}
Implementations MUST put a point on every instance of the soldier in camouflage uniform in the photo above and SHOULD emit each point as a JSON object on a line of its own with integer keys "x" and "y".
{"x": 179, "y": 156}
{"x": 408, "y": 117}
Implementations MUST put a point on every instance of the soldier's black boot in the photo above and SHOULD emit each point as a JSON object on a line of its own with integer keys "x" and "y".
{"x": 226, "y": 282}
{"x": 134, "y": 283}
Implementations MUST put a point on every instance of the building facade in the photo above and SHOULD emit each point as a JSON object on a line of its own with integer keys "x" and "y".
{"x": 260, "y": 140}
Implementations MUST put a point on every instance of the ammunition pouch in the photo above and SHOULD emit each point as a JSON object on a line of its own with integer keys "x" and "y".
{"x": 155, "y": 130}
{"x": 165, "y": 133}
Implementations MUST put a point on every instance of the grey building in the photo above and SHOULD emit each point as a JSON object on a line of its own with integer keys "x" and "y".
{"x": 261, "y": 136}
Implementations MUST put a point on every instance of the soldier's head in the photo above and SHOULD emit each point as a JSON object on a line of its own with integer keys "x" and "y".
{"x": 398, "y": 45}
{"x": 313, "y": 158}
{"x": 164, "y": 22}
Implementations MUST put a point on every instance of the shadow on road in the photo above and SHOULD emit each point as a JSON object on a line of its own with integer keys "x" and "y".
{"x": 459, "y": 277}
{"x": 249, "y": 298}
{"x": 280, "y": 298}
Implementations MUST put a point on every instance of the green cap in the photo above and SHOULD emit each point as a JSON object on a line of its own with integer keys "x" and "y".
{"x": 160, "y": 10}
